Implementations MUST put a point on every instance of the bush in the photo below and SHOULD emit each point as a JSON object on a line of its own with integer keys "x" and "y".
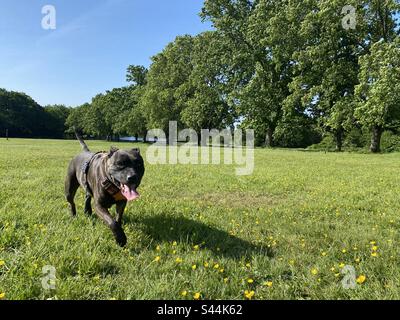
{"x": 390, "y": 142}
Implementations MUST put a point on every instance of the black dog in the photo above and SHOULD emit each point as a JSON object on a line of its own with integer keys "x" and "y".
{"x": 109, "y": 178}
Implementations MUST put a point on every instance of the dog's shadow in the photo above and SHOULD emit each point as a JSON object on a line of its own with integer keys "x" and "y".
{"x": 163, "y": 228}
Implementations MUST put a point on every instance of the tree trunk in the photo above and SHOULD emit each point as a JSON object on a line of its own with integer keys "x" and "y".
{"x": 376, "y": 139}
{"x": 339, "y": 140}
{"x": 269, "y": 139}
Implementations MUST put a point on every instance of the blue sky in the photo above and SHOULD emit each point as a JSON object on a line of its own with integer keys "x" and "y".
{"x": 93, "y": 44}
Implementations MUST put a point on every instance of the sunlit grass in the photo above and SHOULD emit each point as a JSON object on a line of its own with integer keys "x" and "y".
{"x": 201, "y": 232}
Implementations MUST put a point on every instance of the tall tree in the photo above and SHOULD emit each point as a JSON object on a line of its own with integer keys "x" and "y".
{"x": 379, "y": 90}
{"x": 167, "y": 83}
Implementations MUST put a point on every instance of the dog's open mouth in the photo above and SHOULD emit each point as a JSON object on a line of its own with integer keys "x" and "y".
{"x": 129, "y": 193}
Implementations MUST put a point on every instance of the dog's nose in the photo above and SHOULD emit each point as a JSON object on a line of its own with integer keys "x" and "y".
{"x": 131, "y": 179}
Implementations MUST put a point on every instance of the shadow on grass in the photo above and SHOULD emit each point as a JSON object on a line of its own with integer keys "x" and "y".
{"x": 167, "y": 229}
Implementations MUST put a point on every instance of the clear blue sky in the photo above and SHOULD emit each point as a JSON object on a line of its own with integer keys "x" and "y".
{"x": 93, "y": 44}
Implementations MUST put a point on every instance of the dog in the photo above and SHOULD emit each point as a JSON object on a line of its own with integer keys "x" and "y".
{"x": 109, "y": 178}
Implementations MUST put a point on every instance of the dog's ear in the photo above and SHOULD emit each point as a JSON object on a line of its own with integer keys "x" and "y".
{"x": 135, "y": 152}
{"x": 112, "y": 151}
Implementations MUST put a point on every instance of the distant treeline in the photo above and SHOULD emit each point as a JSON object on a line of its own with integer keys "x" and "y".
{"x": 22, "y": 117}
{"x": 299, "y": 73}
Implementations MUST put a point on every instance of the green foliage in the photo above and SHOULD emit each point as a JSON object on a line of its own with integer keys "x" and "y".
{"x": 23, "y": 117}
{"x": 379, "y": 88}
{"x": 390, "y": 142}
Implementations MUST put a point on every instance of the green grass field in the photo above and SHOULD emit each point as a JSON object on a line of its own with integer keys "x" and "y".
{"x": 285, "y": 232}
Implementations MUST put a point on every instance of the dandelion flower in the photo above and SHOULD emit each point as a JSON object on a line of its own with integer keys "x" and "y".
{"x": 226, "y": 280}
{"x": 314, "y": 271}
{"x": 374, "y": 248}
{"x": 178, "y": 260}
{"x": 341, "y": 265}
{"x": 361, "y": 279}
{"x": 344, "y": 251}
{"x": 196, "y": 248}
{"x": 374, "y": 254}
{"x": 206, "y": 264}
{"x": 2, "y": 295}
{"x": 216, "y": 266}
{"x": 248, "y": 265}
{"x": 175, "y": 243}
{"x": 249, "y": 294}
{"x": 158, "y": 248}
{"x": 194, "y": 267}
{"x": 250, "y": 281}
{"x": 268, "y": 284}
{"x": 157, "y": 259}
{"x": 197, "y": 296}
{"x": 2, "y": 263}
{"x": 184, "y": 293}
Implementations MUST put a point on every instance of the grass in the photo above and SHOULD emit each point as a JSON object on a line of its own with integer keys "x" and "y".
{"x": 285, "y": 232}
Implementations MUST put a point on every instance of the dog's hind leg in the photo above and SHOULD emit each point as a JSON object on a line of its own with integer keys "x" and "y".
{"x": 88, "y": 205}
{"x": 71, "y": 186}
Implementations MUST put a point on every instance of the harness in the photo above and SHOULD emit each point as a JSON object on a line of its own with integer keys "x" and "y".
{"x": 106, "y": 183}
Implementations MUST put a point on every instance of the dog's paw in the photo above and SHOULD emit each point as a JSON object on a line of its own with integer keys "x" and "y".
{"x": 121, "y": 239}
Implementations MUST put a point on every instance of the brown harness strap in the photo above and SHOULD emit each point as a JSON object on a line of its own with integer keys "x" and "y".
{"x": 109, "y": 186}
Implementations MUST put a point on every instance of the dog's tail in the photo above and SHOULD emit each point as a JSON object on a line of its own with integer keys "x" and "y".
{"x": 80, "y": 139}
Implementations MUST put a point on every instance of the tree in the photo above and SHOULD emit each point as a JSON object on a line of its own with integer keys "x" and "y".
{"x": 207, "y": 105}
{"x": 259, "y": 57}
{"x": 167, "y": 83}
{"x": 58, "y": 115}
{"x": 137, "y": 75}
{"x": 379, "y": 90}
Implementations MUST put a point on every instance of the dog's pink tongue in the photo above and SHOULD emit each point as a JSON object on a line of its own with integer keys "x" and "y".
{"x": 129, "y": 194}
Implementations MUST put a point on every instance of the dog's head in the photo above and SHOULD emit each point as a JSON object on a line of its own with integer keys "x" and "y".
{"x": 126, "y": 167}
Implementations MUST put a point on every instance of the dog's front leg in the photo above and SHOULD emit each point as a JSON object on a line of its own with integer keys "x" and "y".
{"x": 121, "y": 205}
{"x": 115, "y": 227}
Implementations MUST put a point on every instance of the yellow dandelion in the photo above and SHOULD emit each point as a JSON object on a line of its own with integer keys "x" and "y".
{"x": 196, "y": 248}
{"x": 175, "y": 243}
{"x": 357, "y": 260}
{"x": 344, "y": 251}
{"x": 249, "y": 294}
{"x": 337, "y": 275}
{"x": 373, "y": 242}
{"x": 268, "y": 284}
{"x": 206, "y": 264}
{"x": 2, "y": 295}
{"x": 250, "y": 281}
{"x": 221, "y": 270}
{"x": 197, "y": 296}
{"x": 374, "y": 254}
{"x": 158, "y": 248}
{"x": 374, "y": 248}
{"x": 174, "y": 252}
{"x": 341, "y": 265}
{"x": 248, "y": 265}
{"x": 178, "y": 260}
{"x": 314, "y": 271}
{"x": 324, "y": 254}
{"x": 226, "y": 280}
{"x": 216, "y": 266}
{"x": 157, "y": 259}
{"x": 194, "y": 267}
{"x": 333, "y": 269}
{"x": 184, "y": 293}
{"x": 2, "y": 263}
{"x": 361, "y": 279}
